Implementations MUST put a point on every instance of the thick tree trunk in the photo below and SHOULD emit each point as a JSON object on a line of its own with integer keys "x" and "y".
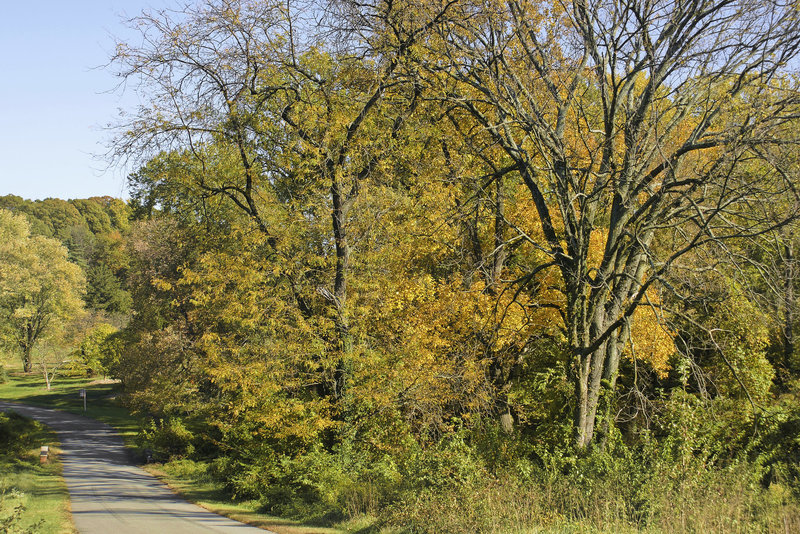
{"x": 581, "y": 367}
{"x": 587, "y": 390}
{"x": 598, "y": 369}
{"x": 583, "y": 417}
{"x": 27, "y": 365}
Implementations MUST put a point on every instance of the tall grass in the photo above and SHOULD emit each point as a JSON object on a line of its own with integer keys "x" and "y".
{"x": 716, "y": 501}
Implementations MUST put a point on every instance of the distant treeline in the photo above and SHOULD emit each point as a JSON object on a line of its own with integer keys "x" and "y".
{"x": 93, "y": 231}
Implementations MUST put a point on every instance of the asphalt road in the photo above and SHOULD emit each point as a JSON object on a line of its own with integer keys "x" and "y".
{"x": 108, "y": 494}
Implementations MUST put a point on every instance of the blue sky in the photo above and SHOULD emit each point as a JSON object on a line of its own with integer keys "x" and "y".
{"x": 54, "y": 95}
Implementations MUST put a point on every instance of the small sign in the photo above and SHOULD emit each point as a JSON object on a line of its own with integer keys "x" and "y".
{"x": 43, "y": 453}
{"x": 83, "y": 394}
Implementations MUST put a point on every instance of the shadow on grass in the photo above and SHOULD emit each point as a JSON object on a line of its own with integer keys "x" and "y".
{"x": 40, "y": 486}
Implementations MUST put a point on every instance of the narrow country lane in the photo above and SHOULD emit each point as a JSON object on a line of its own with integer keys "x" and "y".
{"x": 108, "y": 494}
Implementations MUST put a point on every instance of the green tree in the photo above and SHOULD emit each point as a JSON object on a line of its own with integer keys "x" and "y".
{"x": 40, "y": 290}
{"x": 99, "y": 349}
{"x": 104, "y": 291}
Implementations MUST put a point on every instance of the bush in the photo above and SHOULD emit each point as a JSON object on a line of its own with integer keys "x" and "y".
{"x": 325, "y": 486}
{"x": 777, "y": 446}
{"x": 244, "y": 478}
{"x": 11, "y": 508}
{"x": 450, "y": 462}
{"x": 167, "y": 439}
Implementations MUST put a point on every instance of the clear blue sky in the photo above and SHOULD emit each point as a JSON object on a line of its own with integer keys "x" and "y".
{"x": 54, "y": 100}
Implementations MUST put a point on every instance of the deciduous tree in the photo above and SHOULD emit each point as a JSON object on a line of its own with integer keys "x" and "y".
{"x": 636, "y": 122}
{"x": 40, "y": 289}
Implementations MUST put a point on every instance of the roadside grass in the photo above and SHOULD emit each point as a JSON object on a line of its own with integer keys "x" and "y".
{"x": 189, "y": 479}
{"x": 33, "y": 496}
{"x": 184, "y": 477}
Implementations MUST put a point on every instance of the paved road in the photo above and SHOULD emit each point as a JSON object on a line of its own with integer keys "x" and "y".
{"x": 108, "y": 495}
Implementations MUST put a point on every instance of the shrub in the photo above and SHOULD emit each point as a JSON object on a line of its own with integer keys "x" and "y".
{"x": 167, "y": 439}
{"x": 11, "y": 508}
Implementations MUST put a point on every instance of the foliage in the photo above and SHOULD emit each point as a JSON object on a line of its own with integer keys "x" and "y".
{"x": 167, "y": 439}
{"x": 776, "y": 447}
{"x": 41, "y": 289}
{"x": 91, "y": 229}
{"x": 100, "y": 349}
{"x": 425, "y": 250}
{"x": 104, "y": 290}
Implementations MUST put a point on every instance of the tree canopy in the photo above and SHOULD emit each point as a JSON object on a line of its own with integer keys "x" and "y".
{"x": 92, "y": 230}
{"x": 367, "y": 230}
{"x": 40, "y": 289}
{"x": 579, "y": 154}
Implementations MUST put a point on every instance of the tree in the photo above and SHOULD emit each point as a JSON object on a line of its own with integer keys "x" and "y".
{"x": 262, "y": 112}
{"x": 634, "y": 125}
{"x": 91, "y": 229}
{"x": 104, "y": 291}
{"x": 99, "y": 350}
{"x": 634, "y": 131}
{"x": 39, "y": 288}
{"x": 50, "y": 358}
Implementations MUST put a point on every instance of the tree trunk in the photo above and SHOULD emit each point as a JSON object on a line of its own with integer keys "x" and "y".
{"x": 789, "y": 304}
{"x": 27, "y": 346}
{"x": 584, "y": 419}
{"x": 27, "y": 365}
{"x": 46, "y": 375}
{"x": 588, "y": 384}
{"x": 341, "y": 206}
{"x": 500, "y": 252}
